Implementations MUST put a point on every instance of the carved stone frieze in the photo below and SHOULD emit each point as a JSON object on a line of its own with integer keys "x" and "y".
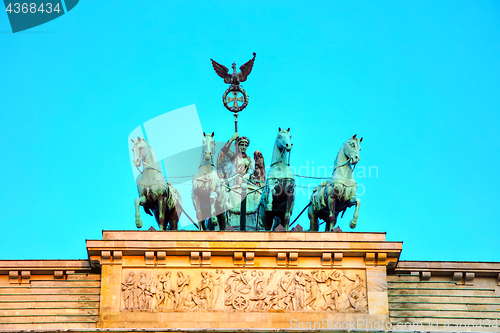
{"x": 252, "y": 290}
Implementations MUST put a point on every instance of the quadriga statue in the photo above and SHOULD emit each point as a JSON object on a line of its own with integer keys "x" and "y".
{"x": 156, "y": 196}
{"x": 336, "y": 195}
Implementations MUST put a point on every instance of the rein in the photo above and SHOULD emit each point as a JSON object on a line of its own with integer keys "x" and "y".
{"x": 281, "y": 155}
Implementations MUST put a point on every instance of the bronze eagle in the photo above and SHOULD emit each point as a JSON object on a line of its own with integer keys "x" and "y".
{"x": 235, "y": 78}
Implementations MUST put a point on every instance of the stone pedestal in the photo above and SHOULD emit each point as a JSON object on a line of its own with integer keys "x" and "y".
{"x": 237, "y": 280}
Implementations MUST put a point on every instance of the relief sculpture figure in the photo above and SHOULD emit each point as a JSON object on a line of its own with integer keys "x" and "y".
{"x": 182, "y": 283}
{"x": 128, "y": 291}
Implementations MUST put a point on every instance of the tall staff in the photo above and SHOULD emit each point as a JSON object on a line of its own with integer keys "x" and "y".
{"x": 238, "y": 96}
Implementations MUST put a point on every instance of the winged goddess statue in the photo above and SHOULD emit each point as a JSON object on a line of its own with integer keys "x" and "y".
{"x": 235, "y": 78}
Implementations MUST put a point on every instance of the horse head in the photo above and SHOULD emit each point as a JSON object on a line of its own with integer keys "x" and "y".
{"x": 140, "y": 150}
{"x": 351, "y": 149}
{"x": 284, "y": 140}
{"x": 208, "y": 145}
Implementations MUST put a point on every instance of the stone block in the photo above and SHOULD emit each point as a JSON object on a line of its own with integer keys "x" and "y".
{"x": 293, "y": 258}
{"x": 425, "y": 276}
{"x": 59, "y": 275}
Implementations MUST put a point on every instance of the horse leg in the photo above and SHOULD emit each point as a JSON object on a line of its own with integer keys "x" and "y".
{"x": 270, "y": 196}
{"x": 162, "y": 203}
{"x": 197, "y": 207}
{"x": 139, "y": 202}
{"x": 289, "y": 206}
{"x": 354, "y": 201}
{"x": 313, "y": 219}
{"x": 222, "y": 221}
{"x": 332, "y": 217}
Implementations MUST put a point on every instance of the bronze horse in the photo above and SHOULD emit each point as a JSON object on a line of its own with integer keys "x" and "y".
{"x": 277, "y": 201}
{"x": 209, "y": 195}
{"x": 155, "y": 194}
{"x": 336, "y": 195}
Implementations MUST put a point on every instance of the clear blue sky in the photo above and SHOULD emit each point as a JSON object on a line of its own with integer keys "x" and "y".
{"x": 419, "y": 80}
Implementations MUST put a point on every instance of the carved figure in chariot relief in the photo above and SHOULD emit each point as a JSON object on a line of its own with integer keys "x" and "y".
{"x": 128, "y": 291}
{"x": 218, "y": 284}
{"x": 205, "y": 290}
{"x": 238, "y": 287}
{"x": 144, "y": 294}
{"x": 313, "y": 279}
{"x": 300, "y": 286}
{"x": 182, "y": 283}
{"x": 157, "y": 287}
{"x": 168, "y": 291}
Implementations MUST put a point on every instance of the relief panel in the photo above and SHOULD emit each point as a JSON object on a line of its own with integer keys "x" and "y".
{"x": 251, "y": 290}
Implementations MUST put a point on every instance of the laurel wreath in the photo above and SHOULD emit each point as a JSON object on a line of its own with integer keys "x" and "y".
{"x": 232, "y": 108}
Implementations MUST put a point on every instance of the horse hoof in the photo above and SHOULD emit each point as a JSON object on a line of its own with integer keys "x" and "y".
{"x": 138, "y": 223}
{"x": 353, "y": 223}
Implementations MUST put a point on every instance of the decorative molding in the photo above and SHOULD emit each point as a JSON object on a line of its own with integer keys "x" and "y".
{"x": 13, "y": 277}
{"x": 326, "y": 259}
{"x": 249, "y": 258}
{"x": 149, "y": 257}
{"x": 425, "y": 276}
{"x": 281, "y": 259}
{"x": 25, "y": 276}
{"x": 370, "y": 259}
{"x": 293, "y": 258}
{"x": 58, "y": 275}
{"x": 205, "y": 258}
{"x": 105, "y": 257}
{"x": 238, "y": 258}
{"x": 117, "y": 257}
{"x": 457, "y": 277}
{"x": 337, "y": 258}
{"x": 195, "y": 258}
{"x": 469, "y": 278}
{"x": 382, "y": 259}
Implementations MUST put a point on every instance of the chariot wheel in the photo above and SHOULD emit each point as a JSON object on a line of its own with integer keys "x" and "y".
{"x": 240, "y": 303}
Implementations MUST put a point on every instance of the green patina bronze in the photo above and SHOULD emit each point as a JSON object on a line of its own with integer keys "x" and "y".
{"x": 336, "y": 195}
{"x": 156, "y": 196}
